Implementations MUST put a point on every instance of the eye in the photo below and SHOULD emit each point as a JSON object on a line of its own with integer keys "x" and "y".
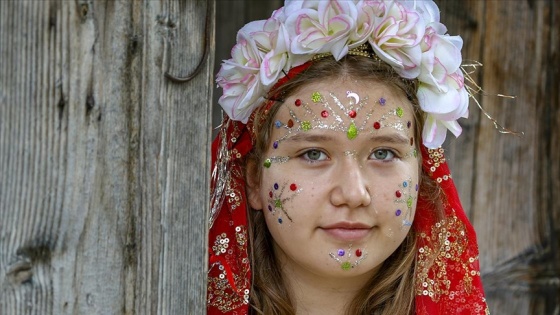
{"x": 314, "y": 155}
{"x": 382, "y": 154}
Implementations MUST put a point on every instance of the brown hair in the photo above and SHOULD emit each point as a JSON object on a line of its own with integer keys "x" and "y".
{"x": 390, "y": 291}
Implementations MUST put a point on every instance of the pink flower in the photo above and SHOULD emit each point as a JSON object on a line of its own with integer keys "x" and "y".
{"x": 239, "y": 76}
{"x": 441, "y": 92}
{"x": 396, "y": 37}
{"x": 325, "y": 29}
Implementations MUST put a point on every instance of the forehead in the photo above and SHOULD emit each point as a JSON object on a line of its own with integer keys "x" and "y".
{"x": 350, "y": 106}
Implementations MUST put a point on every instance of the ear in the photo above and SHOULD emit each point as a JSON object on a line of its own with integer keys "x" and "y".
{"x": 253, "y": 185}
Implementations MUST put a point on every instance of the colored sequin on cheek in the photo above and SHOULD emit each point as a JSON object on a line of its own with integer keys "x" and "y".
{"x": 399, "y": 112}
{"x": 407, "y": 194}
{"x": 345, "y": 257}
{"x": 324, "y": 114}
{"x": 278, "y": 197}
{"x": 306, "y": 125}
{"x": 275, "y": 144}
{"x": 278, "y": 124}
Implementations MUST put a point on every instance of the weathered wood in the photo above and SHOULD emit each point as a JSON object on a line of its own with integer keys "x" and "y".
{"x": 104, "y": 162}
{"x": 508, "y": 184}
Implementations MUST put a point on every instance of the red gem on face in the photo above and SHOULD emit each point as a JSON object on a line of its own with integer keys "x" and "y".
{"x": 358, "y": 252}
{"x": 376, "y": 125}
{"x": 324, "y": 114}
{"x": 298, "y": 102}
{"x": 293, "y": 187}
{"x": 290, "y": 123}
{"x": 398, "y": 193}
{"x": 270, "y": 194}
{"x": 352, "y": 114}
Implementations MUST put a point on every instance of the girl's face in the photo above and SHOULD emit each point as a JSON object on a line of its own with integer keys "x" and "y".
{"x": 339, "y": 180}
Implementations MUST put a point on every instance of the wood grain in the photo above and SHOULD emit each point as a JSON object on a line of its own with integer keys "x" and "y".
{"x": 104, "y": 162}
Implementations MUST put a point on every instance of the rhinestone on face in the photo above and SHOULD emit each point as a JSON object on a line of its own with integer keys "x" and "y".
{"x": 398, "y": 212}
{"x": 358, "y": 252}
{"x": 275, "y": 144}
{"x": 270, "y": 194}
{"x": 267, "y": 163}
{"x": 400, "y": 112}
{"x": 290, "y": 123}
{"x": 408, "y": 124}
{"x": 278, "y": 124}
{"x": 340, "y": 252}
{"x": 324, "y": 114}
{"x": 352, "y": 114}
{"x": 276, "y": 186}
{"x": 298, "y": 102}
{"x": 382, "y": 101}
{"x": 293, "y": 187}
{"x": 346, "y": 265}
{"x": 376, "y": 125}
{"x": 316, "y": 97}
{"x": 352, "y": 131}
{"x": 398, "y": 193}
{"x": 306, "y": 125}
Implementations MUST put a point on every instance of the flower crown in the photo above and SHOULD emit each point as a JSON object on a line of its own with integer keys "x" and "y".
{"x": 407, "y": 35}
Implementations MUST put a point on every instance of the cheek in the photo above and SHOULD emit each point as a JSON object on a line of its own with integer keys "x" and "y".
{"x": 280, "y": 195}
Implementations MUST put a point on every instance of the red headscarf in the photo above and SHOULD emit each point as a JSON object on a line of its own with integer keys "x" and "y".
{"x": 447, "y": 270}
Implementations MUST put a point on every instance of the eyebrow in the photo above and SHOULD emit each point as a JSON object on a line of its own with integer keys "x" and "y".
{"x": 309, "y": 137}
{"x": 395, "y": 138}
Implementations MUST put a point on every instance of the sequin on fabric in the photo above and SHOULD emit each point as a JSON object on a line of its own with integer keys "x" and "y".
{"x": 444, "y": 256}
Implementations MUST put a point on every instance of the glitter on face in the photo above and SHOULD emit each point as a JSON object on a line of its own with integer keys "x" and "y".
{"x": 388, "y": 120}
{"x": 346, "y": 262}
{"x": 277, "y": 200}
{"x": 408, "y": 199}
{"x": 335, "y": 110}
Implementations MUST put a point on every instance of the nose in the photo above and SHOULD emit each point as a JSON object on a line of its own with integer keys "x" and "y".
{"x": 350, "y": 185}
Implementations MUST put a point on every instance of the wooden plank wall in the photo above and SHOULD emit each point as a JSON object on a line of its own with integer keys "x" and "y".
{"x": 510, "y": 185}
{"x": 103, "y": 161}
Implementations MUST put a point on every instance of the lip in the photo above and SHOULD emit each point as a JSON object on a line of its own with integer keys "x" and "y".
{"x": 347, "y": 231}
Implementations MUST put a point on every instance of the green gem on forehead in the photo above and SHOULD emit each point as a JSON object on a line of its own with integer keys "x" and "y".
{"x": 305, "y": 125}
{"x": 346, "y": 265}
{"x": 267, "y": 163}
{"x": 316, "y": 97}
{"x": 409, "y": 202}
{"x": 400, "y": 112}
{"x": 352, "y": 131}
{"x": 278, "y": 203}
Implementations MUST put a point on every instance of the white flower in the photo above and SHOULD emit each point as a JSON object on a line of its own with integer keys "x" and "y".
{"x": 322, "y": 30}
{"x": 239, "y": 76}
{"x": 396, "y": 37}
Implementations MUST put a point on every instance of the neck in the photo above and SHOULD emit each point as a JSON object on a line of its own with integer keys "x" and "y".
{"x": 315, "y": 294}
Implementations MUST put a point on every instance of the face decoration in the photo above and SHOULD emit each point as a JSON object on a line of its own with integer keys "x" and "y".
{"x": 276, "y": 200}
{"x": 406, "y": 196}
{"x": 346, "y": 174}
{"x": 344, "y": 257}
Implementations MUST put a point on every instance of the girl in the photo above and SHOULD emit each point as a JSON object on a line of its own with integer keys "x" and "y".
{"x": 330, "y": 192}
